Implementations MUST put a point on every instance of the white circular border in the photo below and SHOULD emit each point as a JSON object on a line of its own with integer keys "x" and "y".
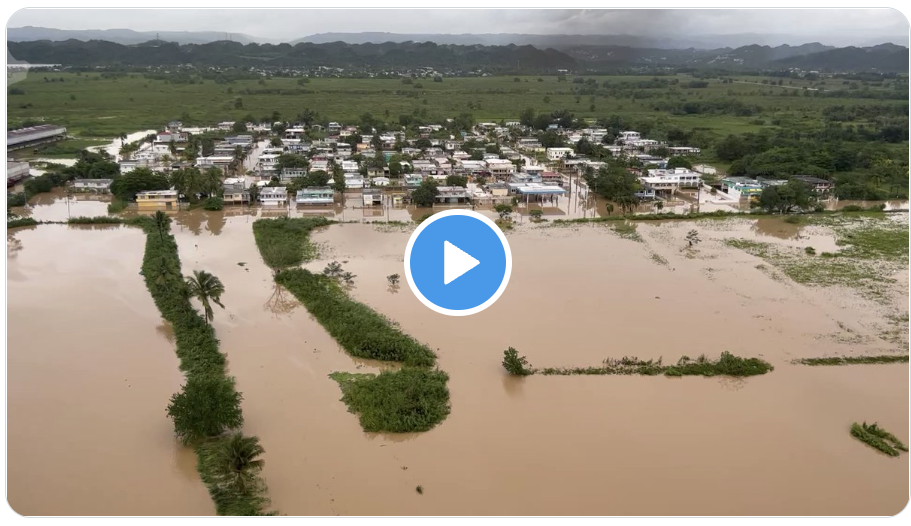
{"x": 464, "y": 312}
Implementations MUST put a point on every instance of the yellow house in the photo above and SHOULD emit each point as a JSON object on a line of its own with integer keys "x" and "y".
{"x": 157, "y": 200}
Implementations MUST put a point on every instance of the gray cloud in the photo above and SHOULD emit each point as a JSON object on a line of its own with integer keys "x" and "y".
{"x": 830, "y": 26}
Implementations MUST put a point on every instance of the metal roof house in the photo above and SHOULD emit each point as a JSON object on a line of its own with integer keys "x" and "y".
{"x": 315, "y": 195}
{"x": 34, "y": 136}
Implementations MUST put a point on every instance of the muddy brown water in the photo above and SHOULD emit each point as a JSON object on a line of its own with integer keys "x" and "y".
{"x": 89, "y": 377}
{"x": 776, "y": 444}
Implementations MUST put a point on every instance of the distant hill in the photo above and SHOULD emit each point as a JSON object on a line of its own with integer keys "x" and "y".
{"x": 884, "y": 57}
{"x": 669, "y": 41}
{"x": 452, "y": 57}
{"x": 122, "y": 36}
{"x": 340, "y": 55}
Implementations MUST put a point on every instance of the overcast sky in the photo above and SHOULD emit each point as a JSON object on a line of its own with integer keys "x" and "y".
{"x": 839, "y": 27}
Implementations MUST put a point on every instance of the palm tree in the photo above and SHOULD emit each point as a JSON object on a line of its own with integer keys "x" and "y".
{"x": 205, "y": 287}
{"x": 235, "y": 462}
{"x": 254, "y": 193}
{"x": 161, "y": 222}
{"x": 123, "y": 138}
{"x": 172, "y": 147}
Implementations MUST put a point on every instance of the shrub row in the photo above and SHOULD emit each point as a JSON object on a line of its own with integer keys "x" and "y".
{"x": 878, "y": 438}
{"x": 207, "y": 410}
{"x": 285, "y": 242}
{"x": 854, "y": 360}
{"x": 726, "y": 365}
{"x": 360, "y": 330}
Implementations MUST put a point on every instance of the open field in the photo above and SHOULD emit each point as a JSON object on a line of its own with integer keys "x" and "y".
{"x": 92, "y": 105}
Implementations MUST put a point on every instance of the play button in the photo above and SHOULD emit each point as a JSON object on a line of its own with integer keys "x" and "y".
{"x": 457, "y": 262}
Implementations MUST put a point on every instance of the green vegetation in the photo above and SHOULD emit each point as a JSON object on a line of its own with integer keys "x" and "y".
{"x": 627, "y": 231}
{"x": 208, "y": 405}
{"x": 116, "y": 206}
{"x": 425, "y": 194}
{"x": 214, "y": 203}
{"x": 230, "y": 468}
{"x": 878, "y": 438}
{"x": 412, "y": 399}
{"x": 360, "y": 330}
{"x": 726, "y": 365}
{"x": 59, "y": 150}
{"x": 21, "y": 221}
{"x": 853, "y": 360}
{"x": 516, "y": 365}
{"x": 405, "y": 401}
{"x": 285, "y": 242}
{"x": 96, "y": 220}
{"x": 16, "y": 199}
{"x": 207, "y": 289}
{"x": 873, "y": 247}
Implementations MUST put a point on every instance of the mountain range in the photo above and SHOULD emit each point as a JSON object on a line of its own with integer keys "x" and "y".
{"x": 451, "y": 57}
{"x": 670, "y": 40}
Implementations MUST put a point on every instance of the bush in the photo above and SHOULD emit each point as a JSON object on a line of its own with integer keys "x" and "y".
{"x": 214, "y": 203}
{"x": 117, "y": 205}
{"x": 810, "y": 251}
{"x": 207, "y": 406}
{"x": 877, "y": 437}
{"x": 852, "y": 208}
{"x": 97, "y": 220}
{"x": 409, "y": 400}
{"x": 22, "y": 221}
{"x": 285, "y": 242}
{"x": 360, "y": 330}
{"x": 16, "y": 199}
{"x": 516, "y": 365}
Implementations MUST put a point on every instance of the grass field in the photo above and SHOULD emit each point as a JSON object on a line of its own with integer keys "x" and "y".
{"x": 68, "y": 148}
{"x": 90, "y": 105}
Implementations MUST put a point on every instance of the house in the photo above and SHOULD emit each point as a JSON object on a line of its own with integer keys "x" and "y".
{"x": 297, "y": 147}
{"x": 267, "y": 163}
{"x": 452, "y": 195}
{"x": 740, "y": 186}
{"x": 295, "y": 133}
{"x": 373, "y": 196}
{"x": 552, "y": 178}
{"x": 500, "y": 168}
{"x": 629, "y": 136}
{"x": 379, "y": 181}
{"x": 765, "y": 182}
{"x": 525, "y": 178}
{"x": 555, "y": 154}
{"x": 816, "y": 184}
{"x": 334, "y": 127}
{"x": 227, "y": 125}
{"x": 672, "y": 180}
{"x": 168, "y": 136}
{"x": 319, "y": 165}
{"x": 101, "y": 186}
{"x": 245, "y": 141}
{"x": 413, "y": 179}
{"x": 236, "y": 190}
{"x": 498, "y": 189}
{"x": 354, "y": 180}
{"x": 684, "y": 150}
{"x": 705, "y": 169}
{"x": 315, "y": 195}
{"x": 350, "y": 166}
{"x": 157, "y": 200}
{"x": 15, "y": 172}
{"x": 290, "y": 173}
{"x": 536, "y": 190}
{"x": 221, "y": 162}
{"x": 128, "y": 166}
{"x": 273, "y": 195}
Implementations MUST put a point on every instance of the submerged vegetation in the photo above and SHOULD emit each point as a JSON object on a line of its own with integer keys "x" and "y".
{"x": 412, "y": 399}
{"x": 285, "y": 242}
{"x": 726, "y": 365}
{"x": 360, "y": 330}
{"x": 872, "y": 249}
{"x": 206, "y": 412}
{"x": 878, "y": 438}
{"x": 854, "y": 360}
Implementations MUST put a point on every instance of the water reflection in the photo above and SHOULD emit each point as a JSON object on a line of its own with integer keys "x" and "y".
{"x": 281, "y": 302}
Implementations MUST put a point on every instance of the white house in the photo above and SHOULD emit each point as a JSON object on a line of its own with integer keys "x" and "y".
{"x": 290, "y": 173}
{"x": 684, "y": 150}
{"x": 555, "y": 154}
{"x": 672, "y": 179}
{"x": 354, "y": 180}
{"x": 221, "y": 162}
{"x": 500, "y": 168}
{"x": 273, "y": 195}
{"x": 629, "y": 136}
{"x": 102, "y": 186}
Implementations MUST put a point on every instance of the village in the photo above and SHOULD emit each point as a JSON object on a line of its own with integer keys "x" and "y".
{"x": 296, "y": 166}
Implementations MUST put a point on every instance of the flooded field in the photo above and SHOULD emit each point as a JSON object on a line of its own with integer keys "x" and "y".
{"x": 90, "y": 372}
{"x": 775, "y": 444}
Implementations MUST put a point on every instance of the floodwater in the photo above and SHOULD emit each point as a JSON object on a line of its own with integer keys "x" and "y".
{"x": 90, "y": 372}
{"x": 59, "y": 205}
{"x": 776, "y": 444}
{"x": 770, "y": 445}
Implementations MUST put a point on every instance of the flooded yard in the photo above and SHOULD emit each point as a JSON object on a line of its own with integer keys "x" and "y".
{"x": 580, "y": 445}
{"x": 90, "y": 372}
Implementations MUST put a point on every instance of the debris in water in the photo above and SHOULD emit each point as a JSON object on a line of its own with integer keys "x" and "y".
{"x": 420, "y": 490}
{"x": 241, "y": 264}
